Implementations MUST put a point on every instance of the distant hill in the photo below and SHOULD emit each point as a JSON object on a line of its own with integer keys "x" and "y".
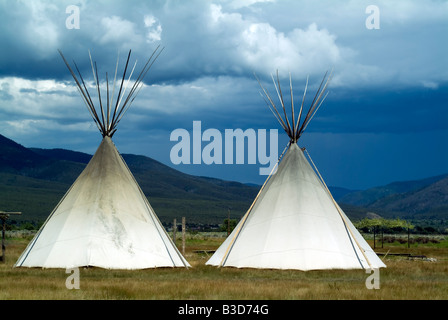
{"x": 369, "y": 196}
{"x": 417, "y": 199}
{"x": 430, "y": 201}
{"x": 33, "y": 181}
{"x": 63, "y": 154}
{"x": 16, "y": 158}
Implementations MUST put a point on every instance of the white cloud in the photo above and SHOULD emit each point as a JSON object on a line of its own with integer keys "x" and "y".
{"x": 41, "y": 31}
{"x": 154, "y": 28}
{"x": 240, "y": 44}
{"x": 39, "y": 99}
{"x": 183, "y": 98}
{"x": 119, "y": 32}
{"x": 30, "y": 126}
{"x": 301, "y": 51}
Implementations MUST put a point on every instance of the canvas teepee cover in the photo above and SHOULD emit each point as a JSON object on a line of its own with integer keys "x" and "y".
{"x": 294, "y": 223}
{"x": 104, "y": 220}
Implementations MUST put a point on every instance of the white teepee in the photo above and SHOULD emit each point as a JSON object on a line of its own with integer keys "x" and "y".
{"x": 294, "y": 222}
{"x": 104, "y": 219}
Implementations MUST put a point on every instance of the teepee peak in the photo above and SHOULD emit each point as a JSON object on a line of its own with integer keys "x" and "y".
{"x": 109, "y": 109}
{"x": 299, "y": 120}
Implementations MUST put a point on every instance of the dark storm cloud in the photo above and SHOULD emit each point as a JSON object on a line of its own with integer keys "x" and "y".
{"x": 414, "y": 109}
{"x": 390, "y": 81}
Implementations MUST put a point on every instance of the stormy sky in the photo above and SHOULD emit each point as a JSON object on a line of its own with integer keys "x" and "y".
{"x": 385, "y": 118}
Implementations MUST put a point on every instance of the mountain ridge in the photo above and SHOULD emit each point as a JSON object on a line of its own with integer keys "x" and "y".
{"x": 44, "y": 175}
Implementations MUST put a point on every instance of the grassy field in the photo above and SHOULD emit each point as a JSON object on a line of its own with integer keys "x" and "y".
{"x": 404, "y": 278}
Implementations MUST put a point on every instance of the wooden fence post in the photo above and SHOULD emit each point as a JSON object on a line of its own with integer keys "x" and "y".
{"x": 174, "y": 230}
{"x": 183, "y": 235}
{"x": 2, "y": 258}
{"x": 228, "y": 222}
{"x": 3, "y": 217}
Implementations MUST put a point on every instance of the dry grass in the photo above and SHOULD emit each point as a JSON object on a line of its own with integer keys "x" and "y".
{"x": 402, "y": 279}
